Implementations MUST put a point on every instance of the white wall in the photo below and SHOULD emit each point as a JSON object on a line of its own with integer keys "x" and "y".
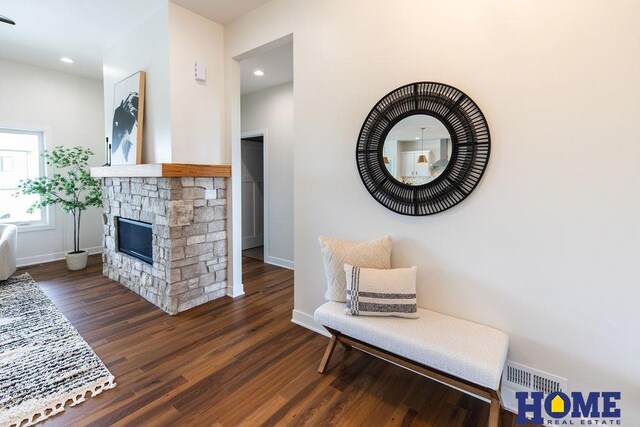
{"x": 544, "y": 251}
{"x": 183, "y": 117}
{"x": 144, "y": 48}
{"x": 196, "y": 107}
{"x": 272, "y": 110}
{"x": 71, "y": 109}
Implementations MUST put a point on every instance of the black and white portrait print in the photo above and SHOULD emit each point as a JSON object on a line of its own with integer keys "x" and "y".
{"x": 126, "y": 133}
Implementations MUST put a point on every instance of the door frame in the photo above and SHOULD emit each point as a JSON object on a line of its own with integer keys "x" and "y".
{"x": 233, "y": 132}
{"x": 265, "y": 179}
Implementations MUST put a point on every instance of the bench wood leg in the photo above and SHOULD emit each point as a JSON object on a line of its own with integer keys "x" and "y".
{"x": 328, "y": 353}
{"x": 494, "y": 412}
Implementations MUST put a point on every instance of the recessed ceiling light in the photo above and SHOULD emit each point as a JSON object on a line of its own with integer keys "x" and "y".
{"x": 66, "y": 60}
{"x": 258, "y": 73}
{"x": 417, "y": 137}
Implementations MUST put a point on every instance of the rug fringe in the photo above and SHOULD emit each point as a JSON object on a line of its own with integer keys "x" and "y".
{"x": 60, "y": 404}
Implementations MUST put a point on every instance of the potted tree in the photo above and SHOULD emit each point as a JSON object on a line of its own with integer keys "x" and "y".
{"x": 71, "y": 187}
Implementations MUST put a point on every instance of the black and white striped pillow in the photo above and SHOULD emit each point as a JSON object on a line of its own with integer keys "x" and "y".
{"x": 373, "y": 292}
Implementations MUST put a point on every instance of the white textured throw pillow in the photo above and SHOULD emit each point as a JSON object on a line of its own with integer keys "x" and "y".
{"x": 337, "y": 252}
{"x": 372, "y": 292}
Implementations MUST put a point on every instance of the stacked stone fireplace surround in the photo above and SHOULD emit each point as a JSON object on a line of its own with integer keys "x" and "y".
{"x": 189, "y": 237}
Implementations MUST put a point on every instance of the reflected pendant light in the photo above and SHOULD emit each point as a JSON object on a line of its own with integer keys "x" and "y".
{"x": 422, "y": 158}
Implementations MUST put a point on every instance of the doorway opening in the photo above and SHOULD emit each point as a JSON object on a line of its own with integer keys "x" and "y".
{"x": 252, "y": 153}
{"x": 263, "y": 184}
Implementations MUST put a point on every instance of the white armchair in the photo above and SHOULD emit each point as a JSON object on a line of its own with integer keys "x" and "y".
{"x": 8, "y": 250}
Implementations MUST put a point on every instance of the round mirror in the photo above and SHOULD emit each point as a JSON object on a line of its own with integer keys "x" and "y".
{"x": 423, "y": 148}
{"x": 417, "y": 149}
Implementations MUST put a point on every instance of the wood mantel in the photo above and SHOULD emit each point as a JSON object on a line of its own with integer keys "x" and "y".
{"x": 157, "y": 170}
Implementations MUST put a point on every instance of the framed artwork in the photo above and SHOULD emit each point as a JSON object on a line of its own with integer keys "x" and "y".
{"x": 128, "y": 114}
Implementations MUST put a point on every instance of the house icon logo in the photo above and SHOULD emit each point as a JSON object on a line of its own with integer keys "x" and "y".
{"x": 557, "y": 405}
{"x": 558, "y": 408}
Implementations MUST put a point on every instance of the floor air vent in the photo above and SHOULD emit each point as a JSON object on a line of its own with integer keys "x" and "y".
{"x": 523, "y": 378}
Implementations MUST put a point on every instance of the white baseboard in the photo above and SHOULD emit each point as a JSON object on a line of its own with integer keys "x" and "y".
{"x": 306, "y": 321}
{"x": 39, "y": 259}
{"x": 232, "y": 295}
{"x": 252, "y": 242}
{"x": 284, "y": 263}
{"x": 508, "y": 399}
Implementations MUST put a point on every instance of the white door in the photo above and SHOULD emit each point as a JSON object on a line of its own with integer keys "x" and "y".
{"x": 252, "y": 194}
{"x": 408, "y": 164}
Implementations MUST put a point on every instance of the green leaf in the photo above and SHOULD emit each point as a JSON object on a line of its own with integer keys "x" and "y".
{"x": 71, "y": 186}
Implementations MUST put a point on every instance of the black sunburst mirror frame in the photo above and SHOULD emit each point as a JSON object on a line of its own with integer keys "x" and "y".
{"x": 470, "y": 140}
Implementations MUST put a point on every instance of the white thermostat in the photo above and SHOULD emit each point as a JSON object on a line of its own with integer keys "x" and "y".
{"x": 200, "y": 72}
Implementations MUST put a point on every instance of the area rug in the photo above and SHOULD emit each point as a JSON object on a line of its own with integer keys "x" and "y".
{"x": 45, "y": 365}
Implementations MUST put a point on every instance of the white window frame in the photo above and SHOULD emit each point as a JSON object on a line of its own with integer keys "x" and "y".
{"x": 47, "y": 221}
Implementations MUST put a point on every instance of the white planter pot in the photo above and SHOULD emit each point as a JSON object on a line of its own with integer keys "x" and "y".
{"x": 77, "y": 261}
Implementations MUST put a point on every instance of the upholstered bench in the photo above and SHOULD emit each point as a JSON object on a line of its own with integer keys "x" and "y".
{"x": 456, "y": 352}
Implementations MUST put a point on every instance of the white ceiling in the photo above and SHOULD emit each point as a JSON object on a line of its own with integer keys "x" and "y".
{"x": 409, "y": 129}
{"x": 46, "y": 30}
{"x": 220, "y": 11}
{"x": 277, "y": 64}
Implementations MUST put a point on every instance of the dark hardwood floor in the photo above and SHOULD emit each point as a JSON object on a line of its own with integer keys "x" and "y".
{"x": 235, "y": 362}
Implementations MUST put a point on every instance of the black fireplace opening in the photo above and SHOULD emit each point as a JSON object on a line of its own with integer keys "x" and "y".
{"x": 135, "y": 239}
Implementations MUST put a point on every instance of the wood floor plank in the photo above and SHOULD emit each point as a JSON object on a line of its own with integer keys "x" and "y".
{"x": 235, "y": 362}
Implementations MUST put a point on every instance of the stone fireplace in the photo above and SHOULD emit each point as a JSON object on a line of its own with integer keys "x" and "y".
{"x": 188, "y": 218}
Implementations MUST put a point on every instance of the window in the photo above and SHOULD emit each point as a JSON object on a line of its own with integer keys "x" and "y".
{"x": 20, "y": 159}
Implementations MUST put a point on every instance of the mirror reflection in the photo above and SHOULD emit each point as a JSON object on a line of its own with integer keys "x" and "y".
{"x": 417, "y": 149}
